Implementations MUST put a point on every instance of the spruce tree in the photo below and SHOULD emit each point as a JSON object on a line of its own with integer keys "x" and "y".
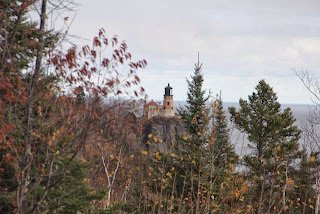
{"x": 194, "y": 114}
{"x": 193, "y": 149}
{"x": 273, "y": 143}
{"x": 223, "y": 150}
{"x": 180, "y": 175}
{"x": 197, "y": 175}
{"x": 223, "y": 160}
{"x": 195, "y": 118}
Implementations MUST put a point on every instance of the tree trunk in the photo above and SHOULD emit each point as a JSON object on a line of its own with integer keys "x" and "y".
{"x": 25, "y": 164}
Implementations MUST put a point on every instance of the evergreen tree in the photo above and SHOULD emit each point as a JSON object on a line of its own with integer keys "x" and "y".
{"x": 194, "y": 114}
{"x": 197, "y": 175}
{"x": 179, "y": 176}
{"x": 223, "y": 160}
{"x": 195, "y": 118}
{"x": 302, "y": 195}
{"x": 74, "y": 193}
{"x": 16, "y": 53}
{"x": 274, "y": 146}
{"x": 193, "y": 149}
{"x": 223, "y": 150}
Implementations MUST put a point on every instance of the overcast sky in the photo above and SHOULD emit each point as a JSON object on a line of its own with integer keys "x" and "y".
{"x": 240, "y": 42}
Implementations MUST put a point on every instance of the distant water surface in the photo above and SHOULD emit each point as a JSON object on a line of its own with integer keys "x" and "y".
{"x": 300, "y": 112}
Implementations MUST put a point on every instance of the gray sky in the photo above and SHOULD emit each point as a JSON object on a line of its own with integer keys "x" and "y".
{"x": 240, "y": 42}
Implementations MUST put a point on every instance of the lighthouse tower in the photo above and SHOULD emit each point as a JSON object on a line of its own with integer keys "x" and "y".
{"x": 167, "y": 107}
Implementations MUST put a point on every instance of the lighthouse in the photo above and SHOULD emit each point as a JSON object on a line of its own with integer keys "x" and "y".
{"x": 153, "y": 109}
{"x": 167, "y": 106}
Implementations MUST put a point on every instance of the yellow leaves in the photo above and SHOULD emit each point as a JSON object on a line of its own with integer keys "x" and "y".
{"x": 158, "y": 156}
{"x": 312, "y": 159}
{"x": 231, "y": 166}
{"x": 238, "y": 210}
{"x": 160, "y": 169}
{"x": 237, "y": 194}
{"x": 278, "y": 148}
{"x": 309, "y": 200}
{"x": 144, "y": 152}
{"x": 185, "y": 138}
{"x": 35, "y": 134}
{"x": 172, "y": 155}
{"x": 171, "y": 207}
{"x": 241, "y": 198}
{"x": 148, "y": 142}
{"x": 169, "y": 174}
{"x": 249, "y": 207}
{"x": 311, "y": 206}
{"x": 149, "y": 136}
{"x": 193, "y": 162}
{"x": 57, "y": 152}
{"x": 40, "y": 111}
{"x": 155, "y": 139}
{"x": 181, "y": 158}
{"x": 286, "y": 207}
{"x": 111, "y": 157}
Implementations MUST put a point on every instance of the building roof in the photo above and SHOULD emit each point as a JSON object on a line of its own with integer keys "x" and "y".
{"x": 169, "y": 87}
{"x": 152, "y": 103}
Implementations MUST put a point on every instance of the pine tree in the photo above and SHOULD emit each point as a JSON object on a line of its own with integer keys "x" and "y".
{"x": 274, "y": 146}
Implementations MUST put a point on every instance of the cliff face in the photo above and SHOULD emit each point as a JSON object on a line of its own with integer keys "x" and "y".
{"x": 164, "y": 129}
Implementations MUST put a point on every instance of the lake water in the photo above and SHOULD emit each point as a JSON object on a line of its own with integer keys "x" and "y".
{"x": 300, "y": 112}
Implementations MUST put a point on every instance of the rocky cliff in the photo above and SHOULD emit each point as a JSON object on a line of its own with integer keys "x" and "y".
{"x": 164, "y": 129}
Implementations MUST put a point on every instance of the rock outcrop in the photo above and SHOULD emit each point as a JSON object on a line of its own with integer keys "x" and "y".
{"x": 166, "y": 131}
